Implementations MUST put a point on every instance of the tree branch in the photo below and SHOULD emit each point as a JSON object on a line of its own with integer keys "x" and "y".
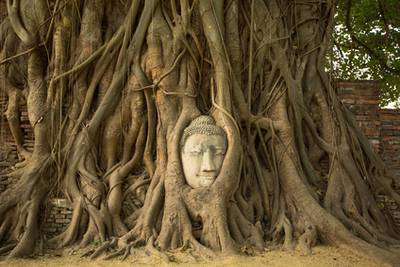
{"x": 373, "y": 54}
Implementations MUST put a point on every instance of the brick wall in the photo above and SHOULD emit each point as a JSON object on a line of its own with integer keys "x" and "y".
{"x": 390, "y": 153}
{"x": 390, "y": 139}
{"x": 382, "y": 127}
{"x": 8, "y": 148}
{"x": 57, "y": 217}
{"x": 362, "y": 99}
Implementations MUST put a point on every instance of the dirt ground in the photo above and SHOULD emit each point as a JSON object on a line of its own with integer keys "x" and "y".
{"x": 321, "y": 256}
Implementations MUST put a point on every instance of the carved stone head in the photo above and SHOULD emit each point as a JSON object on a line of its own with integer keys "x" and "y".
{"x": 203, "y": 148}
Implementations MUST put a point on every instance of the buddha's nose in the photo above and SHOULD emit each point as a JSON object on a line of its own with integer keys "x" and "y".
{"x": 207, "y": 164}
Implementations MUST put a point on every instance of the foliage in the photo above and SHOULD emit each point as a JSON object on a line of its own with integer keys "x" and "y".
{"x": 110, "y": 88}
{"x": 367, "y": 44}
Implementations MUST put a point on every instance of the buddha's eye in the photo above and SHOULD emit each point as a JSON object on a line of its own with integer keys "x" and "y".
{"x": 195, "y": 152}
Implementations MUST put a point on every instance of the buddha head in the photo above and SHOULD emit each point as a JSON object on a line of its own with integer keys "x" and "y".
{"x": 203, "y": 148}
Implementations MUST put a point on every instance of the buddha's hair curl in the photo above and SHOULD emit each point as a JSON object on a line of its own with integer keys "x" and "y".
{"x": 202, "y": 125}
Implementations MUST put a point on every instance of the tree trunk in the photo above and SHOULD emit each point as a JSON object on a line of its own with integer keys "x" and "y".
{"x": 111, "y": 87}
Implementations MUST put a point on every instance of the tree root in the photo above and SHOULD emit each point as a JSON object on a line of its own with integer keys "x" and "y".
{"x": 139, "y": 83}
{"x": 105, "y": 246}
{"x": 7, "y": 248}
{"x": 151, "y": 250}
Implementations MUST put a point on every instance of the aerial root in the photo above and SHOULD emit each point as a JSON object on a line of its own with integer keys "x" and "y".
{"x": 151, "y": 250}
{"x": 308, "y": 239}
{"x": 125, "y": 251}
{"x": 190, "y": 255}
{"x": 4, "y": 227}
{"x": 21, "y": 164}
{"x": 284, "y": 226}
{"x": 256, "y": 236}
{"x": 86, "y": 253}
{"x": 106, "y": 245}
{"x": 7, "y": 248}
{"x": 190, "y": 246}
{"x": 192, "y": 242}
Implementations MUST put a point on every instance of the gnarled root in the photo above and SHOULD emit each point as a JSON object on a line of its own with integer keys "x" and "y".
{"x": 19, "y": 208}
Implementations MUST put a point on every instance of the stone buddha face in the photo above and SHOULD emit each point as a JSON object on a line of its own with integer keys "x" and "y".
{"x": 203, "y": 148}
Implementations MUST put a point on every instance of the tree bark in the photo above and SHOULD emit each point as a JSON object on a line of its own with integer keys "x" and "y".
{"x": 112, "y": 85}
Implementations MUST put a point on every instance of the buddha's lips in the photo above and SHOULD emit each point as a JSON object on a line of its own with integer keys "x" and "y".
{"x": 207, "y": 177}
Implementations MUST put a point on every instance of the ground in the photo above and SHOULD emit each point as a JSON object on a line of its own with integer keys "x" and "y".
{"x": 321, "y": 256}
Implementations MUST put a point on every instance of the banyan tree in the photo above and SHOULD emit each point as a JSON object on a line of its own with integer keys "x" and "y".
{"x": 114, "y": 92}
